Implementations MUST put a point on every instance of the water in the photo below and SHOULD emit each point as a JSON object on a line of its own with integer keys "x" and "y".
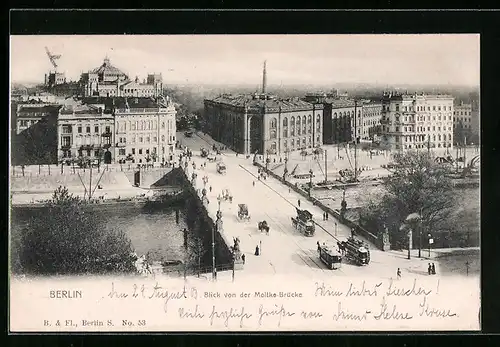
{"x": 156, "y": 233}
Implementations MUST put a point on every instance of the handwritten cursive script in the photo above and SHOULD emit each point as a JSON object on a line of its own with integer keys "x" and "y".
{"x": 227, "y": 315}
{"x": 322, "y": 290}
{"x": 280, "y": 312}
{"x": 343, "y": 314}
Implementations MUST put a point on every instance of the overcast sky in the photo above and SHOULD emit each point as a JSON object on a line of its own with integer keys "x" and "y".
{"x": 238, "y": 59}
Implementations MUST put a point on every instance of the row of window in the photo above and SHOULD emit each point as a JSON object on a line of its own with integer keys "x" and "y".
{"x": 421, "y": 108}
{"x": 67, "y": 129}
{"x": 420, "y": 118}
{"x": 419, "y": 129}
{"x": 462, "y": 119}
{"x": 423, "y": 138}
{"x": 293, "y": 121}
{"x": 82, "y": 141}
{"x": 27, "y": 123}
{"x": 463, "y": 113}
{"x": 142, "y": 125}
{"x": 433, "y": 145}
{"x": 346, "y": 114}
{"x": 305, "y": 130}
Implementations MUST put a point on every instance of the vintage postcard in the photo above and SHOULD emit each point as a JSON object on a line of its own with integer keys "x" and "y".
{"x": 244, "y": 183}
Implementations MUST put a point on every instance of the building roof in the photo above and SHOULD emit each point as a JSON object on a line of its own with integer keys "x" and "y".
{"x": 107, "y": 68}
{"x": 261, "y": 101}
{"x": 138, "y": 102}
{"x": 33, "y": 109}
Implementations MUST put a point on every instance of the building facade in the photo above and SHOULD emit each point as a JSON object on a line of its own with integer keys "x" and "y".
{"x": 29, "y": 114}
{"x": 370, "y": 123}
{"x": 417, "y": 121}
{"x": 264, "y": 123}
{"x": 85, "y": 132}
{"x": 339, "y": 123}
{"x": 145, "y": 130}
{"x": 109, "y": 81}
{"x": 466, "y": 123}
{"x": 54, "y": 78}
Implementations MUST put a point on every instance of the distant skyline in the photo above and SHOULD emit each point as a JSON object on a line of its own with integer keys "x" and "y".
{"x": 448, "y": 59}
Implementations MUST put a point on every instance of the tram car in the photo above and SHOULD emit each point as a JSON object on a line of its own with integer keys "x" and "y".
{"x": 329, "y": 255}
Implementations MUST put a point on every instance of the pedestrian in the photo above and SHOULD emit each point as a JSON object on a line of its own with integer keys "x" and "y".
{"x": 326, "y": 215}
{"x": 429, "y": 269}
{"x": 319, "y": 247}
{"x": 433, "y": 270}
{"x": 399, "y": 273}
{"x": 298, "y": 202}
{"x": 257, "y": 252}
{"x": 210, "y": 188}
{"x": 253, "y": 183}
{"x": 243, "y": 258}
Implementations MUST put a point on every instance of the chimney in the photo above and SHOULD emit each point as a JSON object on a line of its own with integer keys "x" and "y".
{"x": 264, "y": 78}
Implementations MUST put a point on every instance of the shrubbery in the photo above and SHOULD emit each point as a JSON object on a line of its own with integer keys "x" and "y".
{"x": 69, "y": 239}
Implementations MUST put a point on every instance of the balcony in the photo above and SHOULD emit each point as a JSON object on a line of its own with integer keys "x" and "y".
{"x": 121, "y": 144}
{"x": 107, "y": 134}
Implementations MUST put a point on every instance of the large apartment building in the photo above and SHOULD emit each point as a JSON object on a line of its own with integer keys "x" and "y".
{"x": 145, "y": 130}
{"x": 118, "y": 130}
{"x": 411, "y": 121}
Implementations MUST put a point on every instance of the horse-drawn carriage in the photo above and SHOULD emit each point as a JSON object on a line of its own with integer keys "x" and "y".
{"x": 262, "y": 226}
{"x": 243, "y": 212}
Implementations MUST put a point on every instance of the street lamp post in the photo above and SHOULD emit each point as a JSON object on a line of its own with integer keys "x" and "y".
{"x": 430, "y": 243}
{"x": 310, "y": 181}
{"x": 213, "y": 251}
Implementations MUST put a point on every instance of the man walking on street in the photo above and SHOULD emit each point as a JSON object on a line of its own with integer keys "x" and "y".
{"x": 298, "y": 202}
{"x": 399, "y": 273}
{"x": 243, "y": 258}
{"x": 429, "y": 269}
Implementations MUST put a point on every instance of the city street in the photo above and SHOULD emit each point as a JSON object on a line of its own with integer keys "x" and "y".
{"x": 284, "y": 250}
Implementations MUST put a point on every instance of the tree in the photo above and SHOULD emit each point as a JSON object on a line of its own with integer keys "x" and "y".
{"x": 196, "y": 253}
{"x": 417, "y": 185}
{"x": 67, "y": 239}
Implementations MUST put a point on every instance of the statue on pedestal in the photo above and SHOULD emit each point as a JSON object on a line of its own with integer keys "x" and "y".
{"x": 218, "y": 221}
{"x": 386, "y": 245}
{"x": 236, "y": 249}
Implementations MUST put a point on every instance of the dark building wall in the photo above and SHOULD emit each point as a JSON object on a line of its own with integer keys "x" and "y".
{"x": 327, "y": 124}
{"x": 36, "y": 145}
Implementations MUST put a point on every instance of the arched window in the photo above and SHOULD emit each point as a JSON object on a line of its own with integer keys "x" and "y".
{"x": 298, "y": 121}
{"x": 162, "y": 138}
{"x": 285, "y": 132}
{"x": 449, "y": 137}
{"x": 335, "y": 115}
{"x": 163, "y": 125}
{"x": 285, "y": 122}
{"x": 348, "y": 113}
{"x": 285, "y": 143}
{"x": 298, "y": 126}
{"x": 309, "y": 119}
{"x": 272, "y": 134}
{"x": 273, "y": 123}
{"x": 439, "y": 137}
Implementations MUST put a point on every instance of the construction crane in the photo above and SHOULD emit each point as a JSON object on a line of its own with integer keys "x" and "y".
{"x": 52, "y": 57}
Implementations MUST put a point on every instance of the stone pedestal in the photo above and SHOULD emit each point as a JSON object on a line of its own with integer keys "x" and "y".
{"x": 238, "y": 265}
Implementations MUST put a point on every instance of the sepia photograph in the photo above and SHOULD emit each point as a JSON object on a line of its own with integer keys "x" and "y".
{"x": 244, "y": 183}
